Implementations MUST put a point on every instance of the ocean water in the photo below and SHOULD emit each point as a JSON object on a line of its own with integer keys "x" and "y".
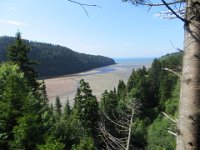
{"x": 134, "y": 61}
{"x": 122, "y": 64}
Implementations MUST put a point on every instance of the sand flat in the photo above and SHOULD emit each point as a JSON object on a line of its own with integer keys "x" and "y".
{"x": 100, "y": 79}
{"x": 65, "y": 87}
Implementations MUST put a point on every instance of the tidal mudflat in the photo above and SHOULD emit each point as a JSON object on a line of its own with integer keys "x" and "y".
{"x": 100, "y": 79}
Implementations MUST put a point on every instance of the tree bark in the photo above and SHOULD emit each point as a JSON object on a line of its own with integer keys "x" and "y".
{"x": 188, "y": 128}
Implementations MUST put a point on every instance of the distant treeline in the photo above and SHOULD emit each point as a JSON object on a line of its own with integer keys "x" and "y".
{"x": 55, "y": 60}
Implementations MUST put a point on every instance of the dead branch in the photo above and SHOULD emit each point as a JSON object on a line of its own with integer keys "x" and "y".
{"x": 117, "y": 124}
{"x": 124, "y": 122}
{"x": 130, "y": 129}
{"x": 172, "y": 71}
{"x": 149, "y": 3}
{"x": 175, "y": 121}
{"x": 178, "y": 49}
{"x": 170, "y": 118}
{"x": 172, "y": 133}
{"x": 111, "y": 141}
{"x": 175, "y": 12}
{"x": 83, "y": 5}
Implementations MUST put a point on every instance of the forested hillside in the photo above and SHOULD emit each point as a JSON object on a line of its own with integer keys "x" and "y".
{"x": 55, "y": 60}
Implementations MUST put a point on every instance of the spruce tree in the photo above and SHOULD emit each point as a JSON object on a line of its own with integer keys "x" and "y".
{"x": 87, "y": 108}
{"x": 67, "y": 109}
{"x": 14, "y": 94}
{"x": 18, "y": 53}
{"x": 58, "y": 106}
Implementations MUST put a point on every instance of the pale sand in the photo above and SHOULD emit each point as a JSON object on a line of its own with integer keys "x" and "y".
{"x": 65, "y": 87}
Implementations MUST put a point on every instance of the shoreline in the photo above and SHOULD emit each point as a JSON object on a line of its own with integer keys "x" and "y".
{"x": 73, "y": 74}
{"x": 99, "y": 79}
{"x": 65, "y": 86}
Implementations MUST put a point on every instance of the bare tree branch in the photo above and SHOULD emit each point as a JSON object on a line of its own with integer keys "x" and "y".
{"x": 177, "y": 12}
{"x": 170, "y": 118}
{"x": 107, "y": 117}
{"x": 175, "y": 121}
{"x": 126, "y": 121}
{"x": 130, "y": 129}
{"x": 178, "y": 49}
{"x": 172, "y": 71}
{"x": 167, "y": 5}
{"x": 149, "y": 3}
{"x": 83, "y": 5}
{"x": 172, "y": 133}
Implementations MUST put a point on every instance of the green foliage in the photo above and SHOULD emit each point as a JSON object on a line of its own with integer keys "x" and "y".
{"x": 66, "y": 132}
{"x": 121, "y": 90}
{"x": 51, "y": 144}
{"x": 171, "y": 105}
{"x": 158, "y": 137}
{"x": 32, "y": 125}
{"x": 27, "y": 133}
{"x": 158, "y": 91}
{"x": 109, "y": 102}
{"x": 55, "y": 60}
{"x": 85, "y": 144}
{"x": 109, "y": 107}
{"x": 139, "y": 132}
{"x": 86, "y": 108}
{"x": 14, "y": 94}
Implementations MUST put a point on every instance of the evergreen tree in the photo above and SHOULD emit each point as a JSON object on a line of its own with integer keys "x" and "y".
{"x": 85, "y": 144}
{"x": 43, "y": 91}
{"x": 58, "y": 106}
{"x": 67, "y": 109}
{"x": 14, "y": 94}
{"x": 121, "y": 90}
{"x": 18, "y": 53}
{"x": 87, "y": 108}
{"x": 109, "y": 103}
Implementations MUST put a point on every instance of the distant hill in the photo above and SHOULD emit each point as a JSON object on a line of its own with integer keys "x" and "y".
{"x": 55, "y": 60}
{"x": 173, "y": 58}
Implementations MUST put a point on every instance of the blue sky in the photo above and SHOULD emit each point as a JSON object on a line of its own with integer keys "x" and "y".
{"x": 116, "y": 30}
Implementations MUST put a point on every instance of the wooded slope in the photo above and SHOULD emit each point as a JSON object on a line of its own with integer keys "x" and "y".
{"x": 55, "y": 60}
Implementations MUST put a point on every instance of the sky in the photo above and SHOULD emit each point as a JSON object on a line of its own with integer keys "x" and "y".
{"x": 117, "y": 29}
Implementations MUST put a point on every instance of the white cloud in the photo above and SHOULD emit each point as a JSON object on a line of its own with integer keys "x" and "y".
{"x": 13, "y": 22}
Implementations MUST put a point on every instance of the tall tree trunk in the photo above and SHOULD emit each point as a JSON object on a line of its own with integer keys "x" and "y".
{"x": 129, "y": 130}
{"x": 188, "y": 137}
